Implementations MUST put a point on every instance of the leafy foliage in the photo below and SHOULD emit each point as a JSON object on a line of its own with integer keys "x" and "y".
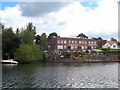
{"x": 31, "y": 28}
{"x": 53, "y": 35}
{"x": 99, "y": 38}
{"x": 10, "y": 42}
{"x": 37, "y": 40}
{"x": 43, "y": 40}
{"x": 82, "y": 36}
{"x": 28, "y": 53}
{"x": 113, "y": 39}
{"x": 21, "y": 45}
{"x": 27, "y": 37}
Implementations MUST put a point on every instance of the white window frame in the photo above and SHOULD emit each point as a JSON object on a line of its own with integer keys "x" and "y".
{"x": 69, "y": 41}
{"x": 83, "y": 42}
{"x": 59, "y": 47}
{"x": 65, "y": 41}
{"x": 65, "y": 47}
{"x": 72, "y": 47}
{"x": 61, "y": 41}
{"x": 58, "y": 41}
{"x": 79, "y": 42}
{"x": 82, "y": 47}
{"x": 72, "y": 41}
{"x": 75, "y": 41}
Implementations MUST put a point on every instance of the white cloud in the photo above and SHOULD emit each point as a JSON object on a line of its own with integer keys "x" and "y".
{"x": 70, "y": 20}
{"x": 104, "y": 19}
{"x": 11, "y": 17}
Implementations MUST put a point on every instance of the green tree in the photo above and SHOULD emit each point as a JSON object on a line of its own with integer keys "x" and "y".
{"x": 37, "y": 39}
{"x": 38, "y": 53}
{"x": 43, "y": 40}
{"x": 82, "y": 36}
{"x": 31, "y": 28}
{"x": 27, "y": 37}
{"x": 9, "y": 43}
{"x": 17, "y": 32}
{"x": 113, "y": 39}
{"x": 28, "y": 53}
{"x": 99, "y": 38}
{"x": 53, "y": 35}
{"x": 24, "y": 54}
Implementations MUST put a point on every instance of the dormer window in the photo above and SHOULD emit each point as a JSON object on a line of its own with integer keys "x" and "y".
{"x": 114, "y": 46}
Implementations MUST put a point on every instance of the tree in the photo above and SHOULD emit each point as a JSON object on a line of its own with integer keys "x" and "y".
{"x": 43, "y": 40}
{"x": 99, "y": 38}
{"x": 17, "y": 32}
{"x": 37, "y": 39}
{"x": 38, "y": 53}
{"x": 27, "y": 37}
{"x": 10, "y": 42}
{"x": 53, "y": 35}
{"x": 118, "y": 43}
{"x": 31, "y": 28}
{"x": 113, "y": 39}
{"x": 28, "y": 53}
{"x": 24, "y": 54}
{"x": 82, "y": 36}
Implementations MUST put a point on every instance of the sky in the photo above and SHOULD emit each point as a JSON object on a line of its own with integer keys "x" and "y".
{"x": 95, "y": 18}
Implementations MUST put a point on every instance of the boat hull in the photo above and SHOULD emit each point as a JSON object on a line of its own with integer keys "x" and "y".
{"x": 9, "y": 62}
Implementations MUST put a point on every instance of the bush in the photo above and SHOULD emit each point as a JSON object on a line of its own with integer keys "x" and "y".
{"x": 28, "y": 53}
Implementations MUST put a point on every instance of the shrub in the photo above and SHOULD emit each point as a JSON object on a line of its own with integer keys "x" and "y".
{"x": 27, "y": 53}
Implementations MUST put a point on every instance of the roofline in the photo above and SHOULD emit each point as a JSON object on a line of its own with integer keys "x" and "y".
{"x": 74, "y": 38}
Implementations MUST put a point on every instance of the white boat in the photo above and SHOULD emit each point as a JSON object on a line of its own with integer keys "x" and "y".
{"x": 10, "y": 61}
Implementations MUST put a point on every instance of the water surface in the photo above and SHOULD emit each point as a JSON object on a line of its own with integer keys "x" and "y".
{"x": 60, "y": 75}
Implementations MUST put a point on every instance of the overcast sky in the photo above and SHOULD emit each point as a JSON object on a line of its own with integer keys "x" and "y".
{"x": 68, "y": 19}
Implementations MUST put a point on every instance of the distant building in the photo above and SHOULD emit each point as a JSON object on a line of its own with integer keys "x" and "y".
{"x": 59, "y": 44}
{"x": 108, "y": 44}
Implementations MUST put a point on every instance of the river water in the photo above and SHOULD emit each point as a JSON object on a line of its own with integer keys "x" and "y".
{"x": 60, "y": 75}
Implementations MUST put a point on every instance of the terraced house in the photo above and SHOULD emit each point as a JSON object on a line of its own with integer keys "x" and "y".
{"x": 59, "y": 44}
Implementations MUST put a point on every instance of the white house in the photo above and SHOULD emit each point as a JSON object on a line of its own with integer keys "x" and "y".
{"x": 110, "y": 44}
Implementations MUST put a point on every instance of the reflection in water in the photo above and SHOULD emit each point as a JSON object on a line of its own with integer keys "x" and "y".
{"x": 61, "y": 75}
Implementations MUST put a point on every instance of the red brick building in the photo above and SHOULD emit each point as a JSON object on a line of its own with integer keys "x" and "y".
{"x": 56, "y": 45}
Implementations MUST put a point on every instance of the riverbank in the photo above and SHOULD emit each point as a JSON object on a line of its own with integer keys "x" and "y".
{"x": 82, "y": 61}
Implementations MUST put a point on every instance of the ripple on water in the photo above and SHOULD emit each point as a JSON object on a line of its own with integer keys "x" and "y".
{"x": 61, "y": 76}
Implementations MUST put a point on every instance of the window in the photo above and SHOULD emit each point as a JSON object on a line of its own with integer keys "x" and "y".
{"x": 72, "y": 47}
{"x": 75, "y": 41}
{"x": 60, "y": 47}
{"x": 58, "y": 41}
{"x": 69, "y": 41}
{"x": 61, "y": 41}
{"x": 114, "y": 46}
{"x": 82, "y": 42}
{"x": 85, "y": 42}
{"x": 75, "y": 47}
{"x": 72, "y": 41}
{"x": 85, "y": 47}
{"x": 89, "y": 42}
{"x": 95, "y": 43}
{"x": 92, "y": 42}
{"x": 64, "y": 41}
{"x": 69, "y": 47}
{"x": 65, "y": 47}
{"x": 79, "y": 42}
{"x": 89, "y": 47}
{"x": 79, "y": 47}
{"x": 82, "y": 47}
{"x": 107, "y": 45}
